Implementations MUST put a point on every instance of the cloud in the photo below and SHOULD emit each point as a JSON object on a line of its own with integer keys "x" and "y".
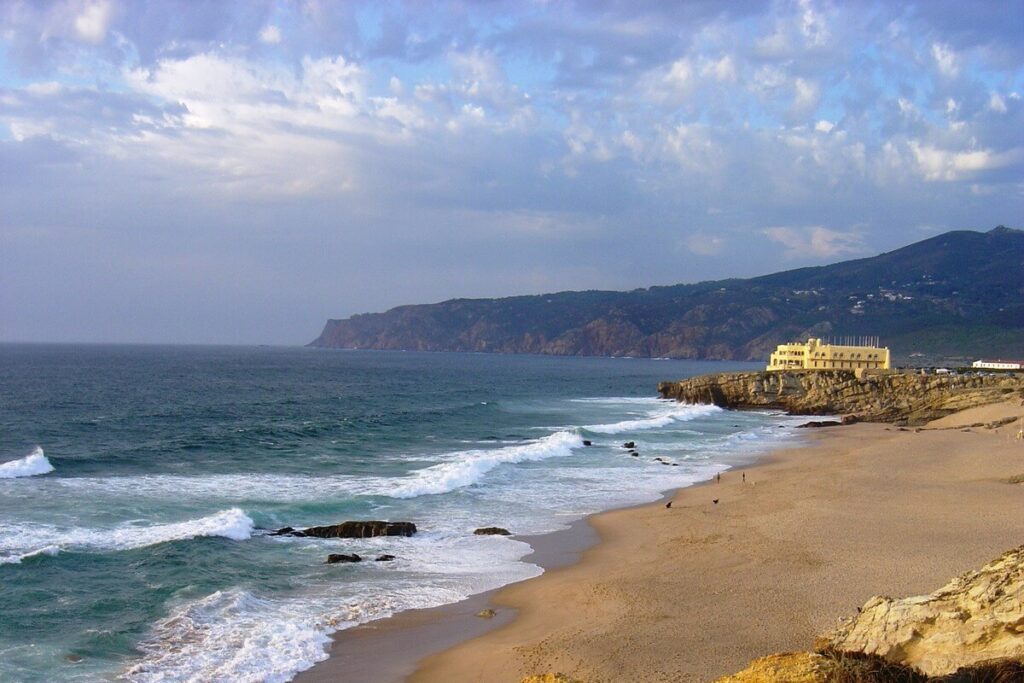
{"x": 462, "y": 146}
{"x": 270, "y": 34}
{"x": 945, "y": 59}
{"x": 815, "y": 242}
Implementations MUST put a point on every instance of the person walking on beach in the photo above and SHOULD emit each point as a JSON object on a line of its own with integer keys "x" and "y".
{"x": 744, "y": 477}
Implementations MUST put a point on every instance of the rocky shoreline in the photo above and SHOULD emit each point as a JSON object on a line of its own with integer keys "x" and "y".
{"x": 898, "y": 397}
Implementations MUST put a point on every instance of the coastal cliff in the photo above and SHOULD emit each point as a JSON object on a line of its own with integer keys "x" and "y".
{"x": 897, "y": 397}
{"x": 925, "y": 297}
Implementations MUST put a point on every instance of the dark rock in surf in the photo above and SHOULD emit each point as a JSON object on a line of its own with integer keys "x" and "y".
{"x": 819, "y": 423}
{"x": 353, "y": 530}
{"x": 629, "y": 444}
{"x": 283, "y": 531}
{"x": 385, "y": 558}
{"x": 336, "y": 558}
{"x": 587, "y": 442}
{"x": 492, "y": 531}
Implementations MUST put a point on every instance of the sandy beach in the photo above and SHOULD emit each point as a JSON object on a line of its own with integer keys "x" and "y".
{"x": 698, "y": 590}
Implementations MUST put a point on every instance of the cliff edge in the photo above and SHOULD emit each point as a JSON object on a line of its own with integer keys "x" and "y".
{"x": 896, "y": 397}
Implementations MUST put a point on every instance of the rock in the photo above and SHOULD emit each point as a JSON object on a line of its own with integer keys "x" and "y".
{"x": 486, "y": 614}
{"x": 634, "y": 454}
{"x": 977, "y": 617}
{"x": 819, "y": 423}
{"x": 788, "y": 667}
{"x": 283, "y": 531}
{"x": 901, "y": 398}
{"x": 550, "y": 678}
{"x": 335, "y": 558}
{"x": 492, "y": 531}
{"x": 587, "y": 442}
{"x": 629, "y": 444}
{"x": 385, "y": 558}
{"x": 73, "y": 658}
{"x": 353, "y": 530}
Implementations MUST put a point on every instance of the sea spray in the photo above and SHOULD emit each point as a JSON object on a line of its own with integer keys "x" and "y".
{"x": 33, "y": 464}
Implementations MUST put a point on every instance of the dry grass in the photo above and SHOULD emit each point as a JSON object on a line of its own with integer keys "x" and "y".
{"x": 855, "y": 667}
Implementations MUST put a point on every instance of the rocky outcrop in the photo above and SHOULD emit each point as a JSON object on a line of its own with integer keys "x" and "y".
{"x": 791, "y": 667}
{"x": 352, "y": 530}
{"x": 970, "y": 630}
{"x": 977, "y": 617}
{"x": 492, "y": 531}
{"x": 896, "y": 396}
{"x": 549, "y": 678}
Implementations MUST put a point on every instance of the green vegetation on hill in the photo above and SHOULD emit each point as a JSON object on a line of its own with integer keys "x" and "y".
{"x": 959, "y": 293}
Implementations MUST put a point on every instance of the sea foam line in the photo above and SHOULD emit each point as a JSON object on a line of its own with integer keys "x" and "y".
{"x": 654, "y": 419}
{"x": 471, "y": 466}
{"x": 31, "y": 465}
{"x": 22, "y": 541}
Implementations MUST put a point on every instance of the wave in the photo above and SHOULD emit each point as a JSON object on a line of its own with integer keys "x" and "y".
{"x": 31, "y": 465}
{"x": 471, "y": 466}
{"x": 20, "y": 541}
{"x": 679, "y": 412}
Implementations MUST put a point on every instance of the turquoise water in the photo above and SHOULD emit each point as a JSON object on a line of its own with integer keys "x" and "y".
{"x": 136, "y": 485}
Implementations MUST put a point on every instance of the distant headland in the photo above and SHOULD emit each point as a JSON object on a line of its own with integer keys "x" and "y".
{"x": 955, "y": 294}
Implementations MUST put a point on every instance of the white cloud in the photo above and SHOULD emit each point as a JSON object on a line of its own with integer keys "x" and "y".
{"x": 997, "y": 103}
{"x": 93, "y": 20}
{"x": 935, "y": 163}
{"x": 806, "y": 96}
{"x": 812, "y": 25}
{"x": 680, "y": 74}
{"x": 824, "y": 126}
{"x": 722, "y": 70}
{"x": 271, "y": 35}
{"x": 946, "y": 59}
{"x": 816, "y": 241}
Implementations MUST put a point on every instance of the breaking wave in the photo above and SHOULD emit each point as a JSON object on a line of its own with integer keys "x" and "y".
{"x": 21, "y": 541}
{"x": 662, "y": 417}
{"x": 471, "y": 466}
{"x": 32, "y": 464}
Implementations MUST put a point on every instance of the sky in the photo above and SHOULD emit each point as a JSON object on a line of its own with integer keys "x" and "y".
{"x": 209, "y": 171}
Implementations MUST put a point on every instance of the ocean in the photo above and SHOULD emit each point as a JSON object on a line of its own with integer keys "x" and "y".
{"x": 138, "y": 485}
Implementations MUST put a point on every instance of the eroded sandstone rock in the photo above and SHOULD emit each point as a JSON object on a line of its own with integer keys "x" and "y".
{"x": 977, "y": 617}
{"x": 787, "y": 667}
{"x": 549, "y": 678}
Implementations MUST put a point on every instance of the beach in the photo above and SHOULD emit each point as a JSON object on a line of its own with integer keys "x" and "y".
{"x": 696, "y": 591}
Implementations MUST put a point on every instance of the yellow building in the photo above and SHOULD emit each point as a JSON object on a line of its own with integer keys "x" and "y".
{"x": 817, "y": 355}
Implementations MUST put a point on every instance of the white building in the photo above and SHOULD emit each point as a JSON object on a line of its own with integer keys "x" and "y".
{"x": 998, "y": 364}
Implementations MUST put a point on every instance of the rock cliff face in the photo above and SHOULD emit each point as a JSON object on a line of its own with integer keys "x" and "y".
{"x": 977, "y": 617}
{"x": 915, "y": 399}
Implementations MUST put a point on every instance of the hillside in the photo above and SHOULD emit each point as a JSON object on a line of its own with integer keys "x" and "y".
{"x": 959, "y": 293}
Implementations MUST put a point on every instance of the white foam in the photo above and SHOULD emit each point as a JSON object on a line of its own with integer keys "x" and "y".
{"x": 16, "y": 559}
{"x": 655, "y": 419}
{"x": 469, "y": 467}
{"x": 236, "y": 635}
{"x": 33, "y": 464}
{"x": 19, "y": 541}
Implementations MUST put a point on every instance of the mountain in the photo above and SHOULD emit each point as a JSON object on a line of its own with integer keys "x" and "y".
{"x": 960, "y": 293}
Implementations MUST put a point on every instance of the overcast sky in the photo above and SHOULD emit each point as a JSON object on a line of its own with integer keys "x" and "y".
{"x": 237, "y": 172}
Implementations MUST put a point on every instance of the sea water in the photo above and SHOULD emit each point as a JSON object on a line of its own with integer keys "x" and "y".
{"x": 137, "y": 485}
